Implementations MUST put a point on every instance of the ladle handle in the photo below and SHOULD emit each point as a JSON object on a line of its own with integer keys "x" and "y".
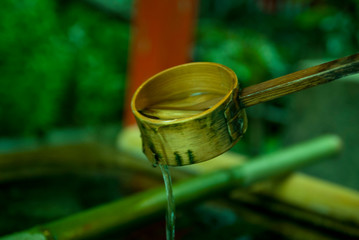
{"x": 300, "y": 80}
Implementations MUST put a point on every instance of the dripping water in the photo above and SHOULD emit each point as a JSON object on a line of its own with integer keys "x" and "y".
{"x": 170, "y": 213}
{"x": 177, "y": 106}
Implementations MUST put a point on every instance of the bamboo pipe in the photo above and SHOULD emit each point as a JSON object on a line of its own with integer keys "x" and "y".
{"x": 313, "y": 195}
{"x": 130, "y": 210}
{"x": 287, "y": 220}
{"x": 194, "y": 112}
{"x": 80, "y": 158}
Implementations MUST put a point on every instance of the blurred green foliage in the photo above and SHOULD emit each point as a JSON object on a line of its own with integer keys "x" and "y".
{"x": 249, "y": 54}
{"x": 260, "y": 45}
{"x": 61, "y": 64}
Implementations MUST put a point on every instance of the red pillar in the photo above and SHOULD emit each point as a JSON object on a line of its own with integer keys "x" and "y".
{"x": 162, "y": 37}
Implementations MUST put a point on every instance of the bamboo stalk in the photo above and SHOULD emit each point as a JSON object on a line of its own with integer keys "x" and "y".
{"x": 287, "y": 220}
{"x": 266, "y": 204}
{"x": 329, "y": 200}
{"x": 130, "y": 210}
{"x": 82, "y": 158}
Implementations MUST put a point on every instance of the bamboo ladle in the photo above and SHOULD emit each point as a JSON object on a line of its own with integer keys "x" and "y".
{"x": 181, "y": 132}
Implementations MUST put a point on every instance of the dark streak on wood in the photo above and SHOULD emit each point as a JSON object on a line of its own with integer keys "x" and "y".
{"x": 178, "y": 159}
{"x": 300, "y": 80}
{"x": 156, "y": 155}
{"x": 190, "y": 157}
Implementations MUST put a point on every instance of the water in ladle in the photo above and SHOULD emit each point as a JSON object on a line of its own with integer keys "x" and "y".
{"x": 170, "y": 213}
{"x": 182, "y": 105}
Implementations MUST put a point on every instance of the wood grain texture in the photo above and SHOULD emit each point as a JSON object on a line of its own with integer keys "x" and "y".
{"x": 300, "y": 80}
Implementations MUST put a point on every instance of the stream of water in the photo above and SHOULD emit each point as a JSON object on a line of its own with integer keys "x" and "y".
{"x": 176, "y": 106}
{"x": 171, "y": 210}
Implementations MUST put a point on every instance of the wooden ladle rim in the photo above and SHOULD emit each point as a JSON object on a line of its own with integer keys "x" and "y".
{"x": 234, "y": 85}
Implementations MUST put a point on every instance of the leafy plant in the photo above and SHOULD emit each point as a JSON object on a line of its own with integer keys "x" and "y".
{"x": 60, "y": 65}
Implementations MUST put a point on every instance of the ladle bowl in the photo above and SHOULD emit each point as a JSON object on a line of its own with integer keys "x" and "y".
{"x": 183, "y": 139}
